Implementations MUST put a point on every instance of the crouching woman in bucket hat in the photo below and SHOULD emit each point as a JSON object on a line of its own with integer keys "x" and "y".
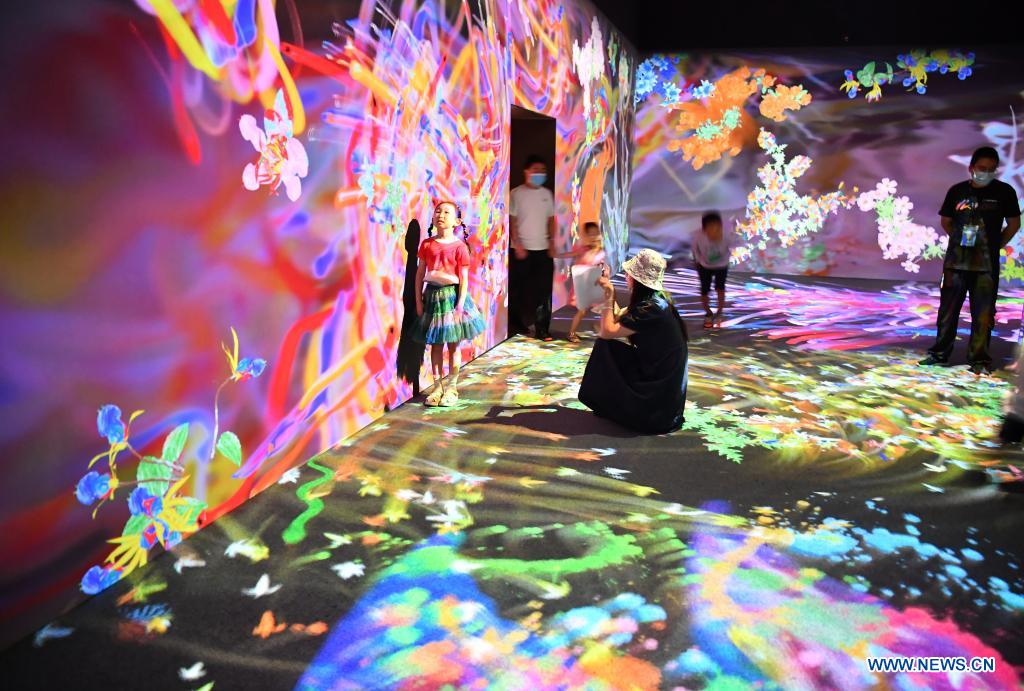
{"x": 642, "y": 384}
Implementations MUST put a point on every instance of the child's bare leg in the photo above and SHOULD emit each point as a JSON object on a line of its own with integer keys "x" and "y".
{"x": 437, "y": 370}
{"x": 721, "y": 300}
{"x": 575, "y": 325}
{"x": 437, "y": 362}
{"x": 454, "y": 365}
{"x": 705, "y": 299}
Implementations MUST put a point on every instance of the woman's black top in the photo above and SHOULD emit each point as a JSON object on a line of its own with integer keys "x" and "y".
{"x": 641, "y": 385}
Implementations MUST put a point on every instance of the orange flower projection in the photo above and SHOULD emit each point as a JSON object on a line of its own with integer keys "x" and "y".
{"x": 718, "y": 124}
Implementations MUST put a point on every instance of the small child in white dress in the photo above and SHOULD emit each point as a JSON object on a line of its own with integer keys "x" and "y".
{"x": 586, "y": 272}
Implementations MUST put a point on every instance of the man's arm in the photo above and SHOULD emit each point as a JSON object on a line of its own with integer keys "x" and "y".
{"x": 551, "y": 236}
{"x": 947, "y": 225}
{"x": 513, "y": 229}
{"x": 1012, "y": 226}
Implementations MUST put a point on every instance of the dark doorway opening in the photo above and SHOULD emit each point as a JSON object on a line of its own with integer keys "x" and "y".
{"x": 531, "y": 134}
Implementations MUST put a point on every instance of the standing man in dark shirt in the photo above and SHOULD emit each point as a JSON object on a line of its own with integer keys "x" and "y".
{"x": 972, "y": 215}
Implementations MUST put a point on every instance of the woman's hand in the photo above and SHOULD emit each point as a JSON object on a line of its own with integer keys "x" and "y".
{"x": 459, "y": 312}
{"x": 607, "y": 287}
{"x": 419, "y": 308}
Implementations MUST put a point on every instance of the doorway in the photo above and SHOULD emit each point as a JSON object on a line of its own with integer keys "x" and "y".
{"x": 532, "y": 134}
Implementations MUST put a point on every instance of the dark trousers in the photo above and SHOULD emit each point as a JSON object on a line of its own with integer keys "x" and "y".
{"x": 956, "y": 285}
{"x": 529, "y": 292}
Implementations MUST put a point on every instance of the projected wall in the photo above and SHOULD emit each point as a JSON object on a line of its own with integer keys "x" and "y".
{"x": 826, "y": 162}
{"x": 208, "y": 216}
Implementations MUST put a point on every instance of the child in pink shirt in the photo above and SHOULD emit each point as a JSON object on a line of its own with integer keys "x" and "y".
{"x": 586, "y": 271}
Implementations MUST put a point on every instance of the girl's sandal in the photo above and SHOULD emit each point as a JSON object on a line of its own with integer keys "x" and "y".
{"x": 709, "y": 320}
{"x": 435, "y": 397}
{"x": 719, "y": 318}
{"x": 572, "y": 338}
{"x": 450, "y": 398}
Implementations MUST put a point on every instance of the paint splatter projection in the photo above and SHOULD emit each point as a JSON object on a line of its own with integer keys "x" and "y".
{"x": 779, "y": 540}
{"x": 891, "y": 180}
{"x": 259, "y": 165}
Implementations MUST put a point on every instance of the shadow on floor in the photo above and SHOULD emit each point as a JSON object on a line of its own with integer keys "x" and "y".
{"x": 553, "y": 419}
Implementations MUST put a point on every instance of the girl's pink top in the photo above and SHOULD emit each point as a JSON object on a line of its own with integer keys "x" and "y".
{"x": 449, "y": 257}
{"x": 591, "y": 257}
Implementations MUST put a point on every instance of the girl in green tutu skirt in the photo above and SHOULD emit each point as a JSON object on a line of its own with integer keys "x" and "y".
{"x": 446, "y": 313}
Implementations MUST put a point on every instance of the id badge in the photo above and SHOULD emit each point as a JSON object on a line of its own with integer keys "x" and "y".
{"x": 968, "y": 236}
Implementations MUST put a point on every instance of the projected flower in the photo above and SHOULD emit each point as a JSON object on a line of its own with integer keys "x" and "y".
{"x": 914, "y": 68}
{"x": 160, "y": 513}
{"x": 777, "y": 101}
{"x": 714, "y": 121}
{"x": 775, "y": 209}
{"x": 898, "y": 236}
{"x": 142, "y": 502}
{"x": 92, "y": 487}
{"x": 115, "y": 431}
{"x": 109, "y": 424}
{"x": 99, "y": 578}
{"x": 283, "y": 159}
{"x": 589, "y": 63}
{"x": 241, "y": 370}
{"x": 237, "y": 47}
{"x": 245, "y": 368}
{"x": 705, "y": 90}
{"x": 653, "y": 73}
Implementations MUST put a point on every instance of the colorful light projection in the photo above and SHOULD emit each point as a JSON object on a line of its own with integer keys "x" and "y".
{"x": 458, "y": 585}
{"x": 713, "y": 116}
{"x": 235, "y": 48}
{"x": 171, "y": 246}
{"x": 889, "y": 240}
{"x": 159, "y": 513}
{"x": 775, "y": 211}
{"x": 898, "y": 235}
{"x": 283, "y": 159}
{"x": 916, "y": 65}
{"x": 719, "y": 122}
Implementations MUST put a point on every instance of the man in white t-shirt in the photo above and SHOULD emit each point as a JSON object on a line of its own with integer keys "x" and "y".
{"x": 532, "y": 269}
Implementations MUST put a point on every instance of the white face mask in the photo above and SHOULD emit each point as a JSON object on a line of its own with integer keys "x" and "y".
{"x": 982, "y": 178}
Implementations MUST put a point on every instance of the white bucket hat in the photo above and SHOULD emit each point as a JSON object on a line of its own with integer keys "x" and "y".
{"x": 648, "y": 268}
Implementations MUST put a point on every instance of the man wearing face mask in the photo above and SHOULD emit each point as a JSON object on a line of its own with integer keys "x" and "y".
{"x": 972, "y": 215}
{"x": 532, "y": 270}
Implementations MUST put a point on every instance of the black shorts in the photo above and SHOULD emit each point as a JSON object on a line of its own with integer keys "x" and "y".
{"x": 707, "y": 274}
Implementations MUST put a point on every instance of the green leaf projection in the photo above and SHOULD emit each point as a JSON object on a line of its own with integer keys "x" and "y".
{"x": 230, "y": 447}
{"x": 175, "y": 443}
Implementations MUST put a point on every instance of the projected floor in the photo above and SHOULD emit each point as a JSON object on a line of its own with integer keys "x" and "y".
{"x": 826, "y": 501}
